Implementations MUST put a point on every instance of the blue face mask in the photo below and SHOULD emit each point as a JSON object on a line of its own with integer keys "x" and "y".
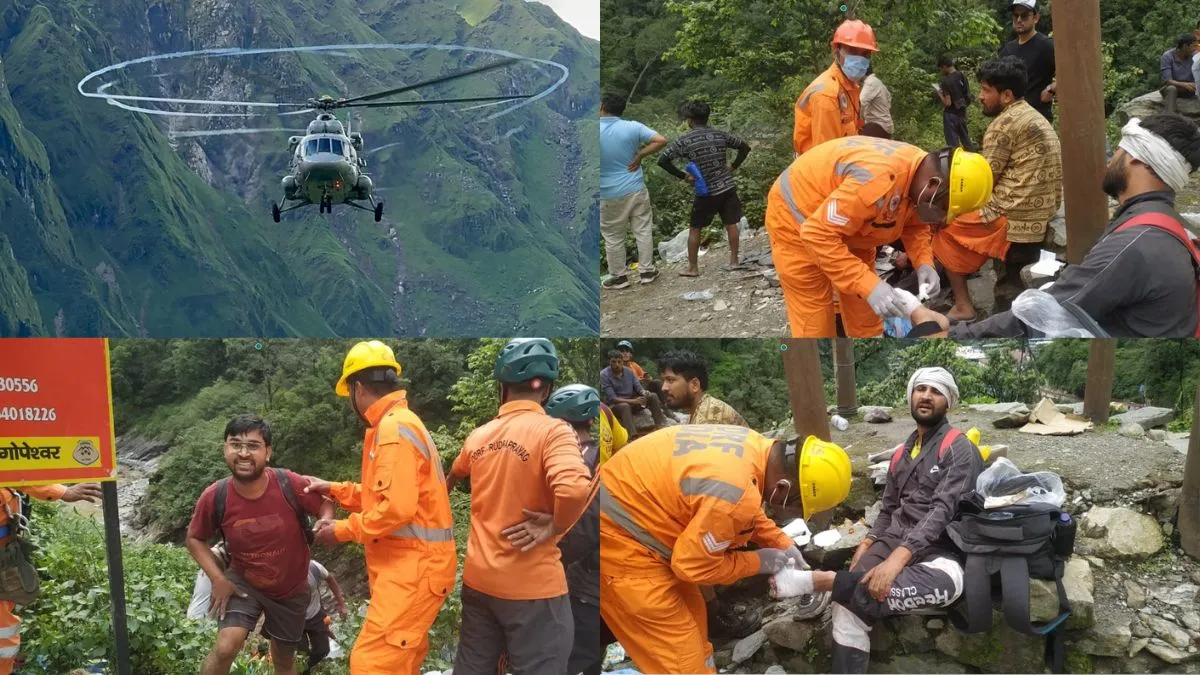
{"x": 855, "y": 67}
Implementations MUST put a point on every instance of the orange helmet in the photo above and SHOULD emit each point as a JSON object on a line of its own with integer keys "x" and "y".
{"x": 855, "y": 33}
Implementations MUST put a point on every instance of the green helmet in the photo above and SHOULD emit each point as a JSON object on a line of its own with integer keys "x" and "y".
{"x": 523, "y": 359}
{"x": 574, "y": 403}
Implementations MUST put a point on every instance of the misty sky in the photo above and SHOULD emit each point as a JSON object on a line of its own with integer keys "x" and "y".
{"x": 584, "y": 15}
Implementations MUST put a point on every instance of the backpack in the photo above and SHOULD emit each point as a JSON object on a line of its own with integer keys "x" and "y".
{"x": 1173, "y": 227}
{"x": 1017, "y": 543}
{"x": 288, "y": 494}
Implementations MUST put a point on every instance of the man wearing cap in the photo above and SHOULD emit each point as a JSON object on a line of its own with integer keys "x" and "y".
{"x": 907, "y": 563}
{"x": 400, "y": 514}
{"x": 829, "y": 211}
{"x": 677, "y": 507}
{"x": 649, "y": 383}
{"x": 1026, "y": 161}
{"x": 1037, "y": 51}
{"x": 829, "y": 106}
{"x": 1139, "y": 279}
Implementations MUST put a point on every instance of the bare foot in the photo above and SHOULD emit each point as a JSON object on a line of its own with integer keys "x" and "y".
{"x": 690, "y": 273}
{"x": 958, "y": 314}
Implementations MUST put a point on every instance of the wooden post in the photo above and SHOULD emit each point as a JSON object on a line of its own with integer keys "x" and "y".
{"x": 802, "y": 367}
{"x": 1080, "y": 88}
{"x": 1097, "y": 392}
{"x": 843, "y": 369}
{"x": 1189, "y": 498}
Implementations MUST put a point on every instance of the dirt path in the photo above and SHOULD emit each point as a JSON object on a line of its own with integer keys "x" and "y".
{"x": 744, "y": 304}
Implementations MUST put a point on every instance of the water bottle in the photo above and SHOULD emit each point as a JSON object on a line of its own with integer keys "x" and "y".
{"x": 897, "y": 326}
{"x": 840, "y": 423}
{"x": 1064, "y": 535}
{"x": 700, "y": 185}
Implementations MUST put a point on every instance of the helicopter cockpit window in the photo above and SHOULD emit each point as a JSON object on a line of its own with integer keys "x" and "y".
{"x": 310, "y": 147}
{"x": 337, "y": 147}
{"x": 324, "y": 145}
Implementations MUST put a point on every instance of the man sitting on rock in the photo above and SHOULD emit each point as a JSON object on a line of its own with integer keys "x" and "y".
{"x": 626, "y": 396}
{"x": 1175, "y": 71}
{"x": 685, "y": 385}
{"x": 907, "y": 564}
{"x": 626, "y": 349}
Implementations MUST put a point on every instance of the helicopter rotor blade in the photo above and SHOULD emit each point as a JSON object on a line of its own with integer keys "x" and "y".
{"x": 386, "y": 104}
{"x": 437, "y": 80}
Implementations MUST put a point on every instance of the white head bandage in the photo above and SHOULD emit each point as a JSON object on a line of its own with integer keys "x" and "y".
{"x": 1153, "y": 150}
{"x": 938, "y": 378}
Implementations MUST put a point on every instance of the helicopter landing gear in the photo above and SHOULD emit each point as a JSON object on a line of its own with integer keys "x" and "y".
{"x": 379, "y": 212}
{"x": 275, "y": 212}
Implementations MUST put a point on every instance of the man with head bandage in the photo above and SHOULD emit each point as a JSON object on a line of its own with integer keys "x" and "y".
{"x": 907, "y": 564}
{"x": 1140, "y": 278}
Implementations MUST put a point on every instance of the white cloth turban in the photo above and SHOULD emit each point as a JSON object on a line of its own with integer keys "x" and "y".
{"x": 1153, "y": 150}
{"x": 938, "y": 378}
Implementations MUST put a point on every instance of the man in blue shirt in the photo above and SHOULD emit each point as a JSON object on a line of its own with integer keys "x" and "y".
{"x": 624, "y": 200}
{"x": 621, "y": 391}
{"x": 1175, "y": 70}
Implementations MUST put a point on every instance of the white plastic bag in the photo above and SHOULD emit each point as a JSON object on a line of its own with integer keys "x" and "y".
{"x": 675, "y": 249}
{"x": 1041, "y": 312}
{"x": 1002, "y": 484}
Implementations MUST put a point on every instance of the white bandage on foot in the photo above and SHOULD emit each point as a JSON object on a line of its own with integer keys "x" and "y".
{"x": 791, "y": 582}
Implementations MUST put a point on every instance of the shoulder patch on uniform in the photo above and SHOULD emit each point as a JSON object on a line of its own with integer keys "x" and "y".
{"x": 833, "y": 216}
{"x": 712, "y": 545}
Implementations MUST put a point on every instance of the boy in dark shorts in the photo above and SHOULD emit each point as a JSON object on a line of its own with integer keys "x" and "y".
{"x": 258, "y": 513}
{"x": 707, "y": 149}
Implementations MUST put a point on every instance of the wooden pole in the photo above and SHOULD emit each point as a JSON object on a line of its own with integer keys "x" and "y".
{"x": 802, "y": 368}
{"x": 1080, "y": 88}
{"x": 1189, "y": 498}
{"x": 843, "y": 368}
{"x": 1097, "y": 392}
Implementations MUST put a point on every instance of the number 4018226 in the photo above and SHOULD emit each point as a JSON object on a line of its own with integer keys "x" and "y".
{"x": 13, "y": 414}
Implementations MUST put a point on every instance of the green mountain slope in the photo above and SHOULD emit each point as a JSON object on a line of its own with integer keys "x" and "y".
{"x": 120, "y": 227}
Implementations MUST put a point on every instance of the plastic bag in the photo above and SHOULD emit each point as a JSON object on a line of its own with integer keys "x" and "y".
{"x": 675, "y": 249}
{"x": 1002, "y": 484}
{"x": 1041, "y": 312}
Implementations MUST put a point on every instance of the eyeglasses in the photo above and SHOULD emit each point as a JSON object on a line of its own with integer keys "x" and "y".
{"x": 238, "y": 446}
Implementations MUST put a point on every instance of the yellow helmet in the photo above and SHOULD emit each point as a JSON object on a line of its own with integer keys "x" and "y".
{"x": 970, "y": 183}
{"x": 824, "y": 475}
{"x": 361, "y": 356}
{"x": 984, "y": 450}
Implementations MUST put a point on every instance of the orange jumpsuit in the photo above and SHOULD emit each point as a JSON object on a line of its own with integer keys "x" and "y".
{"x": 828, "y": 109}
{"x": 826, "y": 214}
{"x": 10, "y": 623}
{"x": 674, "y": 506}
{"x": 401, "y": 516}
{"x": 969, "y": 241}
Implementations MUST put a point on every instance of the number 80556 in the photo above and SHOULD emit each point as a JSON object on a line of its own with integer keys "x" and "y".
{"x": 18, "y": 385}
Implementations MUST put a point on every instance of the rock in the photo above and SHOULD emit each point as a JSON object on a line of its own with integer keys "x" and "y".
{"x": 1166, "y": 652}
{"x": 876, "y": 415}
{"x": 1168, "y": 631}
{"x": 840, "y": 552}
{"x": 936, "y": 624}
{"x": 720, "y": 306}
{"x": 789, "y": 633}
{"x": 1157, "y": 435}
{"x": 1139, "y": 630}
{"x": 1031, "y": 279}
{"x": 1056, "y": 236}
{"x": 1165, "y": 505}
{"x": 1002, "y": 408}
{"x": 1182, "y": 596}
{"x": 1168, "y": 616}
{"x": 872, "y": 513}
{"x": 917, "y": 663}
{"x": 1168, "y": 529}
{"x": 1096, "y": 562}
{"x": 747, "y": 647}
{"x": 1149, "y": 417}
{"x": 911, "y": 633}
{"x": 1191, "y": 620}
{"x": 1109, "y": 637}
{"x": 1135, "y": 596}
{"x": 723, "y": 658}
{"x": 1079, "y": 583}
{"x": 1013, "y": 420}
{"x": 1137, "y": 646}
{"x": 1127, "y": 534}
{"x": 1151, "y": 104}
{"x": 139, "y": 452}
{"x": 1132, "y": 431}
{"x": 999, "y": 650}
{"x": 1196, "y": 576}
{"x": 772, "y": 277}
{"x": 776, "y": 670}
{"x": 982, "y": 288}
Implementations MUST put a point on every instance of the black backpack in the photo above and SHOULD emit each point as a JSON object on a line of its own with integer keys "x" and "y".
{"x": 1015, "y": 543}
{"x": 288, "y": 494}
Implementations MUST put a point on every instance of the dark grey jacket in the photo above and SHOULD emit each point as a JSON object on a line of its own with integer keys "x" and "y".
{"x": 581, "y": 545}
{"x": 1136, "y": 283}
{"x": 922, "y": 494}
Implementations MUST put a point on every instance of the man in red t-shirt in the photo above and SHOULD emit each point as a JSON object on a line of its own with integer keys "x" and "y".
{"x": 267, "y": 548}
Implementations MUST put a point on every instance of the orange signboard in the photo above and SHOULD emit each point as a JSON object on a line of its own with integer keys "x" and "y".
{"x": 55, "y": 412}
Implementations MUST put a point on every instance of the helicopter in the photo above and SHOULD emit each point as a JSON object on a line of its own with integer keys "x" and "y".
{"x": 327, "y": 165}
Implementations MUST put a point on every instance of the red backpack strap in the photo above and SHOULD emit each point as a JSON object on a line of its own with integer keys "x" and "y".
{"x": 896, "y": 457}
{"x": 1175, "y": 228}
{"x": 947, "y": 441}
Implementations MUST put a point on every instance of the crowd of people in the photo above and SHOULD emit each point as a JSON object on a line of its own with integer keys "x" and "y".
{"x": 852, "y": 190}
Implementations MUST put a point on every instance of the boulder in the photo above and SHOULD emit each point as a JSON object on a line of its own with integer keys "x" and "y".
{"x": 1152, "y": 104}
{"x": 1132, "y": 431}
{"x": 1191, "y": 620}
{"x": 776, "y": 670}
{"x": 839, "y": 553}
{"x": 1157, "y": 435}
{"x": 1110, "y": 636}
{"x": 1182, "y": 596}
{"x": 1137, "y": 645}
{"x": 1168, "y": 631}
{"x": 999, "y": 650}
{"x": 138, "y": 451}
{"x": 1056, "y": 233}
{"x": 982, "y": 288}
{"x": 1168, "y": 653}
{"x": 1149, "y": 417}
{"x": 917, "y": 663}
{"x": 1031, "y": 279}
{"x": 1135, "y": 595}
{"x": 1125, "y": 534}
{"x": 1013, "y": 420}
{"x": 789, "y": 633}
{"x": 911, "y": 633}
{"x": 1079, "y": 584}
{"x": 876, "y": 415}
{"x": 747, "y": 647}
{"x": 872, "y": 513}
{"x": 1002, "y": 408}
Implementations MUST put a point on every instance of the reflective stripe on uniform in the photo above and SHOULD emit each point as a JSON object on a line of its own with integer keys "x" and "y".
{"x": 9, "y": 652}
{"x": 618, "y": 514}
{"x": 711, "y": 487}
{"x": 803, "y": 102}
{"x": 415, "y": 440}
{"x": 785, "y": 188}
{"x": 10, "y": 631}
{"x": 424, "y": 533}
{"x": 853, "y": 170}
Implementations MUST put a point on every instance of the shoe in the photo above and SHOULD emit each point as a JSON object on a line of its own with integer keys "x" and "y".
{"x": 617, "y": 283}
{"x": 648, "y": 277}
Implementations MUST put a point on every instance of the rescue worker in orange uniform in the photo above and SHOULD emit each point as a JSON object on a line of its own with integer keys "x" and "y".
{"x": 529, "y": 484}
{"x": 400, "y": 513}
{"x": 829, "y": 210}
{"x": 829, "y": 106}
{"x": 10, "y": 623}
{"x": 675, "y": 507}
